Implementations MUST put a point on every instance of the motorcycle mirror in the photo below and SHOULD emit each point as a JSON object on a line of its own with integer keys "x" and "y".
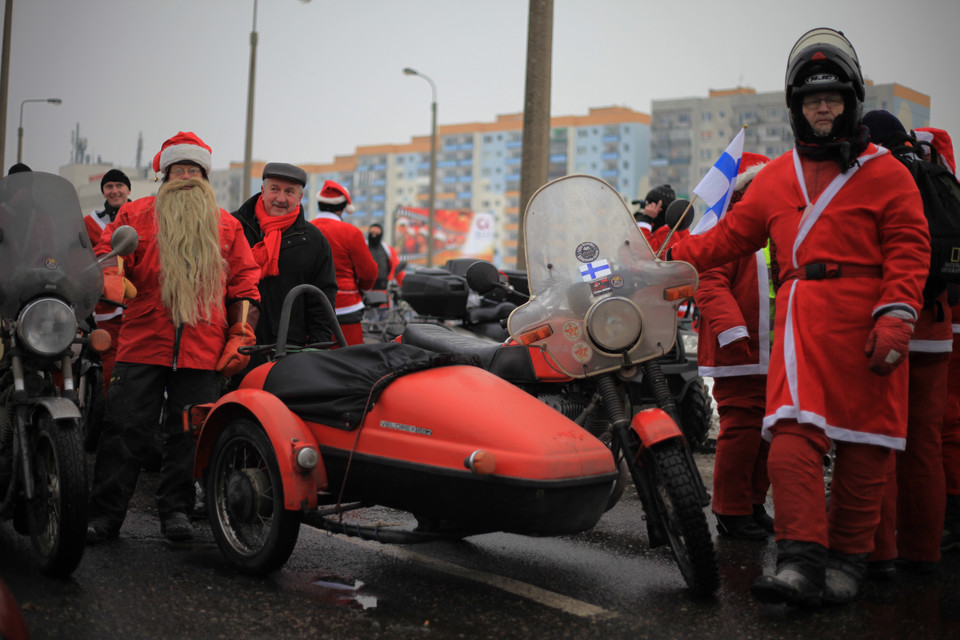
{"x": 675, "y": 210}
{"x": 482, "y": 277}
{"x": 123, "y": 242}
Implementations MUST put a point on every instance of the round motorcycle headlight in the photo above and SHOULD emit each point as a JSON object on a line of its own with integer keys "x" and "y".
{"x": 614, "y": 324}
{"x": 47, "y": 326}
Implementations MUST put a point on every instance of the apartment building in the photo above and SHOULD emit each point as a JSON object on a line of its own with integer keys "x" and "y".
{"x": 687, "y": 135}
{"x": 478, "y": 169}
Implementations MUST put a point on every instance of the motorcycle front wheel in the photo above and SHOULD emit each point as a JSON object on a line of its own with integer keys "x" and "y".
{"x": 57, "y": 515}
{"x": 245, "y": 500}
{"x": 678, "y": 501}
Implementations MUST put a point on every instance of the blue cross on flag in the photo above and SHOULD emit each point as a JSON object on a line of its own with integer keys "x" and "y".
{"x": 717, "y": 186}
{"x": 595, "y": 270}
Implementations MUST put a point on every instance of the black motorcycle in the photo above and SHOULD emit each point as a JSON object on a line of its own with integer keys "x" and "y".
{"x": 50, "y": 281}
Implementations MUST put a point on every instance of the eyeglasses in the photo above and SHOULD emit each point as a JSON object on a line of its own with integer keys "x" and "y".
{"x": 179, "y": 172}
{"x": 832, "y": 101}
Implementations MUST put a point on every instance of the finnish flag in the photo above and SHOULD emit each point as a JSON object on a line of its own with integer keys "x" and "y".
{"x": 595, "y": 270}
{"x": 717, "y": 186}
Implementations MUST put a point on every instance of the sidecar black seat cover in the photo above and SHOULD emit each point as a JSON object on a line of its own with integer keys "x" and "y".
{"x": 332, "y": 387}
{"x": 508, "y": 362}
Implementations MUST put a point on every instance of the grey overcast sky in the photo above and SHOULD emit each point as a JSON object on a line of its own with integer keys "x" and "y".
{"x": 329, "y": 72}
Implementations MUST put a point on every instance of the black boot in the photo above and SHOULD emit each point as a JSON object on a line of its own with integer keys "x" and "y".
{"x": 799, "y": 577}
{"x": 844, "y": 575}
{"x": 762, "y": 518}
{"x": 740, "y": 528}
{"x": 951, "y": 525}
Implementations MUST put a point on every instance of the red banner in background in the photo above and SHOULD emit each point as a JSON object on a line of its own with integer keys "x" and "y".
{"x": 456, "y": 234}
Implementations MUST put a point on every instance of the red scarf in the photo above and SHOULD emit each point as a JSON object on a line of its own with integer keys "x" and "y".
{"x": 267, "y": 251}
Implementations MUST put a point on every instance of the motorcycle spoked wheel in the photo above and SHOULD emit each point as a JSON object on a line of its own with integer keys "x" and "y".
{"x": 245, "y": 500}
{"x": 675, "y": 490}
{"x": 696, "y": 413}
{"x": 57, "y": 516}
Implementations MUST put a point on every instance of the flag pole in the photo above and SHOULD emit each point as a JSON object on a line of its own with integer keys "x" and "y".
{"x": 674, "y": 228}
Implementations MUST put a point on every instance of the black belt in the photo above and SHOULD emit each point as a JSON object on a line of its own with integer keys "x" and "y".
{"x": 824, "y": 270}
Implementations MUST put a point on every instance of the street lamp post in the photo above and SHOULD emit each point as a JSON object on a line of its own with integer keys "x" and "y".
{"x": 20, "y": 128}
{"x": 248, "y": 144}
{"x": 433, "y": 162}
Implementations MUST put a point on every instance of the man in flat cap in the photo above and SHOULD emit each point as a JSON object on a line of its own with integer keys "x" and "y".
{"x": 290, "y": 252}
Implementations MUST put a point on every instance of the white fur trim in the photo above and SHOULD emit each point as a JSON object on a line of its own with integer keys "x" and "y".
{"x": 744, "y": 178}
{"x": 185, "y": 153}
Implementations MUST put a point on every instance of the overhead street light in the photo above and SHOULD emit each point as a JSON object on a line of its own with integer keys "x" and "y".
{"x": 433, "y": 162}
{"x": 20, "y": 128}
{"x": 248, "y": 142}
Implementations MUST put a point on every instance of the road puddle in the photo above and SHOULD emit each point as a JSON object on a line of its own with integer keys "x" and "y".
{"x": 337, "y": 593}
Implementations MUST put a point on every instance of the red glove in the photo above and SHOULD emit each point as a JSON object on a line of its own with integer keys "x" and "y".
{"x": 738, "y": 350}
{"x": 231, "y": 361}
{"x": 116, "y": 287}
{"x": 888, "y": 344}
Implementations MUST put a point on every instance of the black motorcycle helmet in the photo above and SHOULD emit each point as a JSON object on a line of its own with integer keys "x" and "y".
{"x": 661, "y": 193}
{"x": 824, "y": 60}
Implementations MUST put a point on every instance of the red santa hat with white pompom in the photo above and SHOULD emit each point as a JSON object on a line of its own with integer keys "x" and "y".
{"x": 334, "y": 197}
{"x": 186, "y": 146}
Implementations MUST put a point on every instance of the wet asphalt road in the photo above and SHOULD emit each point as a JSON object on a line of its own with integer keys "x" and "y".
{"x": 601, "y": 584}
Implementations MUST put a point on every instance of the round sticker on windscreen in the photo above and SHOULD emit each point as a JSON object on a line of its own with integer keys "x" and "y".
{"x": 587, "y": 252}
{"x": 581, "y": 352}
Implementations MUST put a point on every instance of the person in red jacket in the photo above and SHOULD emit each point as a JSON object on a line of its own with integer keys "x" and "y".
{"x": 356, "y": 268}
{"x": 911, "y": 523}
{"x": 853, "y": 253}
{"x": 651, "y": 220}
{"x": 196, "y": 291}
{"x": 734, "y": 350}
{"x": 115, "y": 187}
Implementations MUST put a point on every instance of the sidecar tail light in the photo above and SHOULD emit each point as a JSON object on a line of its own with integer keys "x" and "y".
{"x": 679, "y": 292}
{"x": 307, "y": 458}
{"x": 481, "y": 462}
{"x": 100, "y": 340}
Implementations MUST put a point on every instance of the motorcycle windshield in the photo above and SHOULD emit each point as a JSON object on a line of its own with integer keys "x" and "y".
{"x": 44, "y": 245}
{"x": 600, "y": 301}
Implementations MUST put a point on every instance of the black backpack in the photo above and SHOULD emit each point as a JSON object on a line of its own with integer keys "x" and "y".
{"x": 941, "y": 205}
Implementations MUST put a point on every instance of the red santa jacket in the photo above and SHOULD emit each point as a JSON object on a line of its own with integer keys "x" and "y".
{"x": 870, "y": 216}
{"x": 356, "y": 268}
{"x": 734, "y": 302}
{"x": 147, "y": 334}
{"x": 95, "y": 225}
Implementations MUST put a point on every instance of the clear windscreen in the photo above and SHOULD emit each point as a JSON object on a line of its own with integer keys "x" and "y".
{"x": 597, "y": 291}
{"x": 44, "y": 246}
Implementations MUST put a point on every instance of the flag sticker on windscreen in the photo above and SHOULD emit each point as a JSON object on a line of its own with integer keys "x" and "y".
{"x": 595, "y": 270}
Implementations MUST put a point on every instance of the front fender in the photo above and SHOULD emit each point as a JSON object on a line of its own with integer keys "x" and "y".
{"x": 59, "y": 408}
{"x": 287, "y": 433}
{"x": 654, "y": 425}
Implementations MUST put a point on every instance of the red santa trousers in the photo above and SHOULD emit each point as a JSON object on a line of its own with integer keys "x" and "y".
{"x": 795, "y": 465}
{"x": 740, "y": 469}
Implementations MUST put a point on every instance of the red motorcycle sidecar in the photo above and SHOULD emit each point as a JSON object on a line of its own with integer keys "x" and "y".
{"x": 458, "y": 447}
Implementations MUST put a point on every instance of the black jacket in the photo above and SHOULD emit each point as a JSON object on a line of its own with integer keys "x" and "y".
{"x": 305, "y": 258}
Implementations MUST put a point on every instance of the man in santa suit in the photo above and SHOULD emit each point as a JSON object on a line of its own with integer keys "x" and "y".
{"x": 853, "y": 253}
{"x": 651, "y": 220}
{"x": 950, "y": 436}
{"x": 734, "y": 349}
{"x": 196, "y": 291}
{"x": 115, "y": 187}
{"x": 912, "y": 517}
{"x": 356, "y": 268}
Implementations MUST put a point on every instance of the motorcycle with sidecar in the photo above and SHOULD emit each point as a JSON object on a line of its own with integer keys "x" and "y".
{"x": 50, "y": 282}
{"x": 315, "y": 433}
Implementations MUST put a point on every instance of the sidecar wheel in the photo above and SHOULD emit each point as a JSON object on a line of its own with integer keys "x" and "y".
{"x": 245, "y": 500}
{"x": 58, "y": 514}
{"x": 675, "y": 490}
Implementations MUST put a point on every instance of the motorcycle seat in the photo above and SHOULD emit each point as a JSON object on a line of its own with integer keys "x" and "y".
{"x": 510, "y": 362}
